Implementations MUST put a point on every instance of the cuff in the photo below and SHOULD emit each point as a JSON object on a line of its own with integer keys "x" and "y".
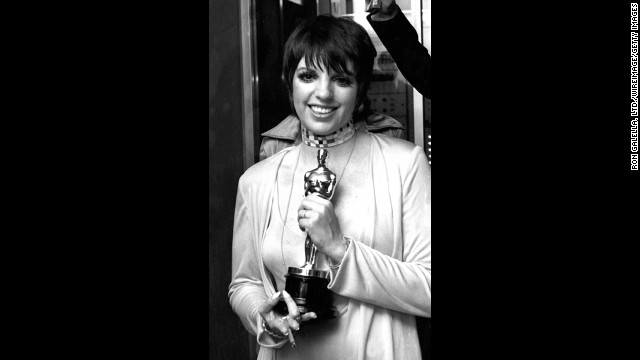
{"x": 265, "y": 340}
{"x": 335, "y": 273}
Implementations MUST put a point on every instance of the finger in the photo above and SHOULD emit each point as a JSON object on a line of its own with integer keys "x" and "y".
{"x": 279, "y": 325}
{"x": 268, "y": 305}
{"x": 293, "y": 324}
{"x": 294, "y": 313}
{"x": 309, "y": 316}
{"x": 304, "y": 214}
{"x": 308, "y": 215}
{"x": 304, "y": 205}
{"x": 301, "y": 212}
{"x": 314, "y": 202}
{"x": 304, "y": 224}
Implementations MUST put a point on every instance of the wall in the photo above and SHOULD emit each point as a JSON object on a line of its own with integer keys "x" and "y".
{"x": 227, "y": 337}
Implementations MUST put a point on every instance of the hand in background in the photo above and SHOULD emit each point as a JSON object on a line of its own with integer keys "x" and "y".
{"x": 388, "y": 9}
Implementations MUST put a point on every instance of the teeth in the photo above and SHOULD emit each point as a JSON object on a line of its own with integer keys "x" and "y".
{"x": 321, "y": 110}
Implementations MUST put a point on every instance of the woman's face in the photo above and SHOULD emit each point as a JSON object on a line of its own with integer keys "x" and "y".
{"x": 324, "y": 101}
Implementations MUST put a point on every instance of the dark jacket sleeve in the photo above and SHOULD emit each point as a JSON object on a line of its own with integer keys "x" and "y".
{"x": 401, "y": 40}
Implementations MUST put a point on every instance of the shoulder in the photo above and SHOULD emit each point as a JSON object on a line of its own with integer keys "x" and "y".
{"x": 283, "y": 135}
{"x": 377, "y": 121}
{"x": 397, "y": 152}
{"x": 271, "y": 145}
{"x": 263, "y": 173}
{"x": 394, "y": 146}
{"x": 287, "y": 129}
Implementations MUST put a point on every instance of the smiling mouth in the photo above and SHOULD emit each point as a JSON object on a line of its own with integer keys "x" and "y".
{"x": 320, "y": 110}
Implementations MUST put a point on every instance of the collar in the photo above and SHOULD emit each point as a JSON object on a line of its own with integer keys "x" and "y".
{"x": 287, "y": 129}
{"x": 324, "y": 141}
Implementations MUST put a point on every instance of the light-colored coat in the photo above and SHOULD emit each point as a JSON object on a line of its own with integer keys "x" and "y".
{"x": 385, "y": 275}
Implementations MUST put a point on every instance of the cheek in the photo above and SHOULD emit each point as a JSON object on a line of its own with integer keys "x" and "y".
{"x": 299, "y": 94}
{"x": 348, "y": 97}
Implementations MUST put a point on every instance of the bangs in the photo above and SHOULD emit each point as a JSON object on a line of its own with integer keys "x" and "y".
{"x": 328, "y": 58}
{"x": 328, "y": 47}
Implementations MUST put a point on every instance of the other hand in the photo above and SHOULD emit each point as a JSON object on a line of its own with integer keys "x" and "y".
{"x": 281, "y": 323}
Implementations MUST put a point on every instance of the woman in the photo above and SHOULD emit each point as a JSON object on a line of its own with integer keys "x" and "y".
{"x": 374, "y": 236}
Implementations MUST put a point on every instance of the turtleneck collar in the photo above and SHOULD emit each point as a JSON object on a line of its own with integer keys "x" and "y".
{"x": 324, "y": 141}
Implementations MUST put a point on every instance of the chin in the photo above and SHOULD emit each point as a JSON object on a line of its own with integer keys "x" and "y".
{"x": 322, "y": 128}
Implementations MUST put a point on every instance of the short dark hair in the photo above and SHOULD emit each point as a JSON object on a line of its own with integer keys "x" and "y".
{"x": 333, "y": 43}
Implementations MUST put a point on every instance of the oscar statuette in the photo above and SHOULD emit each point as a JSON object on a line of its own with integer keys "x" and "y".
{"x": 307, "y": 285}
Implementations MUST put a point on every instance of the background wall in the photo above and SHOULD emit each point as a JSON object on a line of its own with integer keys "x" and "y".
{"x": 227, "y": 337}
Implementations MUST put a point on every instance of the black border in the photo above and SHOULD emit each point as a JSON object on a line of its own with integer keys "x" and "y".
{"x": 533, "y": 202}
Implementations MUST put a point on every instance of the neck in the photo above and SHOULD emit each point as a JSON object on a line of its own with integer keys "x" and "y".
{"x": 336, "y": 138}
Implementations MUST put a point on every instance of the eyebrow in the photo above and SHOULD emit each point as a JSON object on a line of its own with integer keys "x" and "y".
{"x": 332, "y": 72}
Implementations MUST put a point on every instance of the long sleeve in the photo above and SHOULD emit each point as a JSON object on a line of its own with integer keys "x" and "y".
{"x": 403, "y": 285}
{"x": 246, "y": 290}
{"x": 412, "y": 58}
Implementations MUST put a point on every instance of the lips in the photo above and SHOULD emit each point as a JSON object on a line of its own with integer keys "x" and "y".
{"x": 321, "y": 110}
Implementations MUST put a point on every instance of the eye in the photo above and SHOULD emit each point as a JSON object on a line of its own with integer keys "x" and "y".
{"x": 307, "y": 76}
{"x": 343, "y": 81}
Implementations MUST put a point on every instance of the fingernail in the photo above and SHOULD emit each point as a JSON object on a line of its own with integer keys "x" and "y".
{"x": 276, "y": 295}
{"x": 284, "y": 293}
{"x": 314, "y": 316}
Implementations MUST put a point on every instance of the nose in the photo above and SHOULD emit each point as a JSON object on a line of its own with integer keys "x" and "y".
{"x": 324, "y": 88}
